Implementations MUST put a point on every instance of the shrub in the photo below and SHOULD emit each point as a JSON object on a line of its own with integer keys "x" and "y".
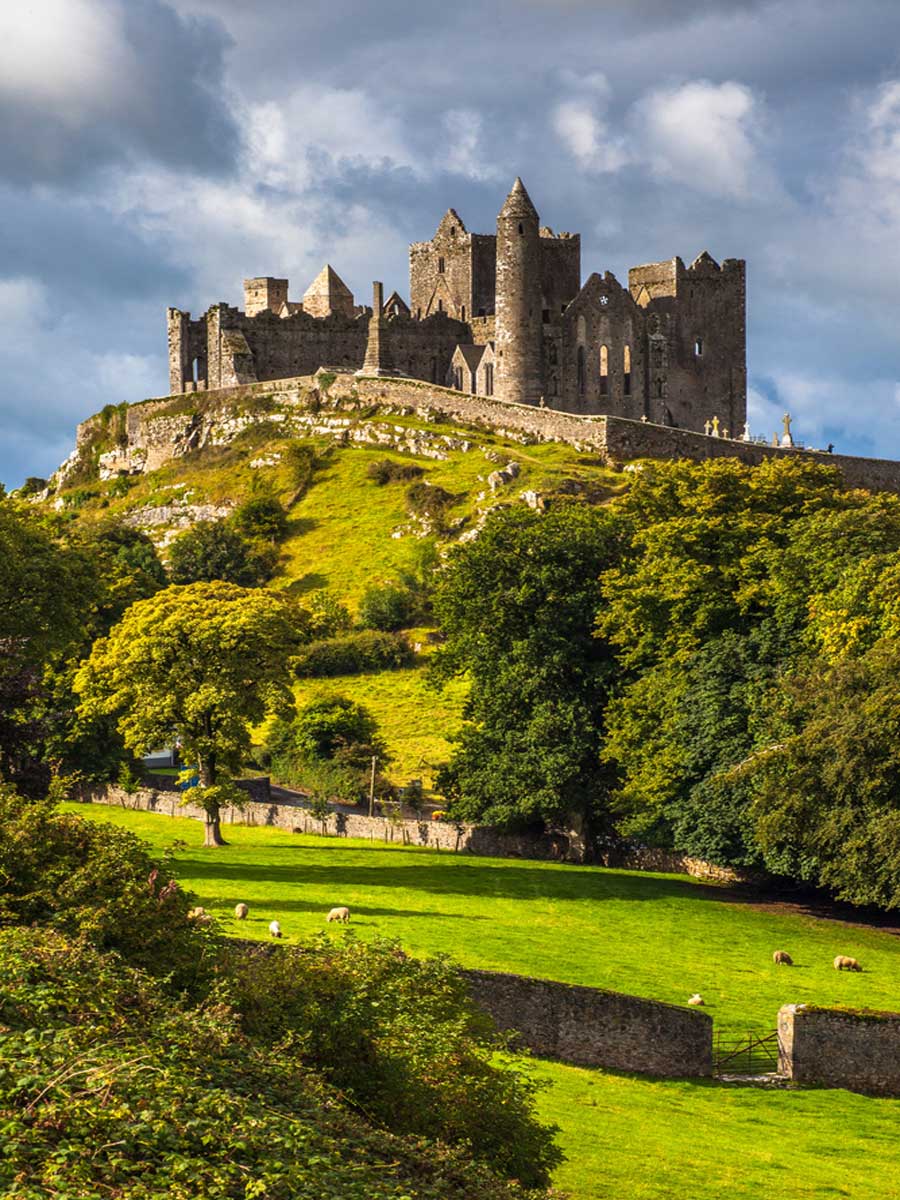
{"x": 353, "y": 654}
{"x": 401, "y": 1038}
{"x": 328, "y": 616}
{"x": 261, "y": 517}
{"x": 32, "y": 485}
{"x": 302, "y": 461}
{"x": 387, "y": 606}
{"x": 427, "y": 500}
{"x": 324, "y": 725}
{"x": 96, "y": 882}
{"x": 125, "y": 1092}
{"x": 389, "y": 471}
{"x": 213, "y": 550}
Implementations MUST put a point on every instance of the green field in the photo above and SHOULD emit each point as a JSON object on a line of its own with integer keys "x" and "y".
{"x": 661, "y": 936}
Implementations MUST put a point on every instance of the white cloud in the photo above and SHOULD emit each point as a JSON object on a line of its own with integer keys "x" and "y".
{"x": 463, "y": 154}
{"x": 706, "y": 136}
{"x": 23, "y": 300}
{"x": 581, "y": 122}
{"x": 68, "y": 58}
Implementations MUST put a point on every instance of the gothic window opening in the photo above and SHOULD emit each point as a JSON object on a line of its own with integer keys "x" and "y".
{"x": 440, "y": 266}
{"x": 457, "y": 378}
{"x": 604, "y": 370}
{"x": 489, "y": 379}
{"x": 581, "y": 370}
{"x": 698, "y": 347}
{"x": 462, "y": 313}
{"x": 659, "y": 389}
{"x": 440, "y": 306}
{"x": 626, "y": 364}
{"x": 546, "y": 316}
{"x": 521, "y": 231}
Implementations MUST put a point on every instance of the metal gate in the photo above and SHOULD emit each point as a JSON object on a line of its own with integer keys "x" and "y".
{"x": 751, "y": 1054}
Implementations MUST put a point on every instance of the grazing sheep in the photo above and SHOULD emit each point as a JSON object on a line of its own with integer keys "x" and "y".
{"x": 696, "y": 999}
{"x": 782, "y": 956}
{"x": 200, "y": 916}
{"x": 240, "y": 911}
{"x": 843, "y": 963}
{"x": 339, "y": 914}
{"x": 274, "y": 929}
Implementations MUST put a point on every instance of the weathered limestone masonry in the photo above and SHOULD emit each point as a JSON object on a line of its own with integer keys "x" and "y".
{"x": 670, "y": 346}
{"x": 157, "y": 431}
{"x": 595, "y": 1028}
{"x": 825, "y": 1047}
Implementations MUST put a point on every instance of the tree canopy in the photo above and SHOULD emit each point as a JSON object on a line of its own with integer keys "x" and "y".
{"x": 197, "y": 664}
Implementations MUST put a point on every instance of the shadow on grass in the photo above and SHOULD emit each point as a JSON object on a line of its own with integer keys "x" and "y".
{"x": 504, "y": 878}
{"x": 306, "y": 906}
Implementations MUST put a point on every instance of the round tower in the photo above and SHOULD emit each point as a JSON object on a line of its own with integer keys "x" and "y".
{"x": 519, "y": 330}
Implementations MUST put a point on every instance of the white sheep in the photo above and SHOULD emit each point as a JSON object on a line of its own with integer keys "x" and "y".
{"x": 696, "y": 999}
{"x": 274, "y": 929}
{"x": 341, "y": 914}
{"x": 844, "y": 963}
{"x": 782, "y": 956}
{"x": 240, "y": 912}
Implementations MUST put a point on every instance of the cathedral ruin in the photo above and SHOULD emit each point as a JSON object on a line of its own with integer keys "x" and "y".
{"x": 502, "y": 315}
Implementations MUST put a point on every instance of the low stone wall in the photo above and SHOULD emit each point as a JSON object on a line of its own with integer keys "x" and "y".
{"x": 673, "y": 862}
{"x": 441, "y": 835}
{"x": 832, "y": 1047}
{"x": 258, "y": 789}
{"x": 594, "y": 1028}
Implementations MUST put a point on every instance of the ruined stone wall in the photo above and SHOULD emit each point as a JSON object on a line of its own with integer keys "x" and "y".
{"x": 595, "y": 1028}
{"x": 560, "y": 272}
{"x": 283, "y": 348}
{"x": 264, "y": 293}
{"x": 858, "y": 1050}
{"x": 603, "y": 316}
{"x": 423, "y": 349}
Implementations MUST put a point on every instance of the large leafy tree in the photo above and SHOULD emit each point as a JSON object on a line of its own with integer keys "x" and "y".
{"x": 517, "y": 606}
{"x": 826, "y": 783}
{"x": 199, "y": 664}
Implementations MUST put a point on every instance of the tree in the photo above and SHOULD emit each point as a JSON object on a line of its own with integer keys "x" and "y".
{"x": 517, "y": 606}
{"x": 826, "y": 786}
{"x": 329, "y": 748}
{"x": 261, "y": 517}
{"x": 214, "y": 550}
{"x": 199, "y": 664}
{"x": 387, "y": 606}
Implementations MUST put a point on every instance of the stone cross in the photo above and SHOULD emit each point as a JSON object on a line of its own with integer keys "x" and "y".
{"x": 786, "y": 438}
{"x": 706, "y": 427}
{"x": 715, "y": 427}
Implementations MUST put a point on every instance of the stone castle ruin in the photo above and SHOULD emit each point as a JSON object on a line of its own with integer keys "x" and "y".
{"x": 500, "y": 315}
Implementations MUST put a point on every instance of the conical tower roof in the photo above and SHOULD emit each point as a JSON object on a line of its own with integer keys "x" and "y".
{"x": 518, "y": 202}
{"x": 327, "y": 294}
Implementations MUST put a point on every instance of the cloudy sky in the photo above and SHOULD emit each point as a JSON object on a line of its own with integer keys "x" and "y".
{"x": 156, "y": 152}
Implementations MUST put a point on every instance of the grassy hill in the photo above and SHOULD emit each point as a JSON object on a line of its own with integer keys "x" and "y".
{"x": 346, "y": 531}
{"x": 652, "y": 935}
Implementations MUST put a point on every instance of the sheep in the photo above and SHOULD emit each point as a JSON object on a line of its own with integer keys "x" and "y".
{"x": 240, "y": 912}
{"x": 340, "y": 914}
{"x": 782, "y": 956}
{"x": 843, "y": 963}
{"x": 200, "y": 916}
{"x": 274, "y": 929}
{"x": 696, "y": 999}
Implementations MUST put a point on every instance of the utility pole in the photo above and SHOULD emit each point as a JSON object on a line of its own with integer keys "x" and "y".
{"x": 372, "y": 788}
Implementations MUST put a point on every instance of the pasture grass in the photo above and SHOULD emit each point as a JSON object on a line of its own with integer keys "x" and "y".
{"x": 655, "y": 935}
{"x": 661, "y": 936}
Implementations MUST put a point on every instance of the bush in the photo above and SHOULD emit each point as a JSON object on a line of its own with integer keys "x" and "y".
{"x": 328, "y": 616}
{"x": 98, "y": 883}
{"x": 213, "y": 550}
{"x": 32, "y": 485}
{"x": 387, "y": 606}
{"x": 262, "y": 518}
{"x": 125, "y": 1092}
{"x": 388, "y": 471}
{"x": 353, "y": 654}
{"x": 427, "y": 500}
{"x": 302, "y": 462}
{"x": 401, "y": 1038}
{"x": 322, "y": 726}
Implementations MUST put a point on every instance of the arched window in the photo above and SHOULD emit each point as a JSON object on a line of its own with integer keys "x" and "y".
{"x": 626, "y": 366}
{"x": 659, "y": 389}
{"x": 462, "y": 313}
{"x": 581, "y": 370}
{"x": 604, "y": 370}
{"x": 489, "y": 379}
{"x": 440, "y": 306}
{"x": 457, "y": 378}
{"x": 521, "y": 231}
{"x": 698, "y": 347}
{"x": 440, "y": 266}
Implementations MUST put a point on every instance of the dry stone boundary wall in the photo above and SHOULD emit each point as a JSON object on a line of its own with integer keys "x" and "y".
{"x": 840, "y": 1049}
